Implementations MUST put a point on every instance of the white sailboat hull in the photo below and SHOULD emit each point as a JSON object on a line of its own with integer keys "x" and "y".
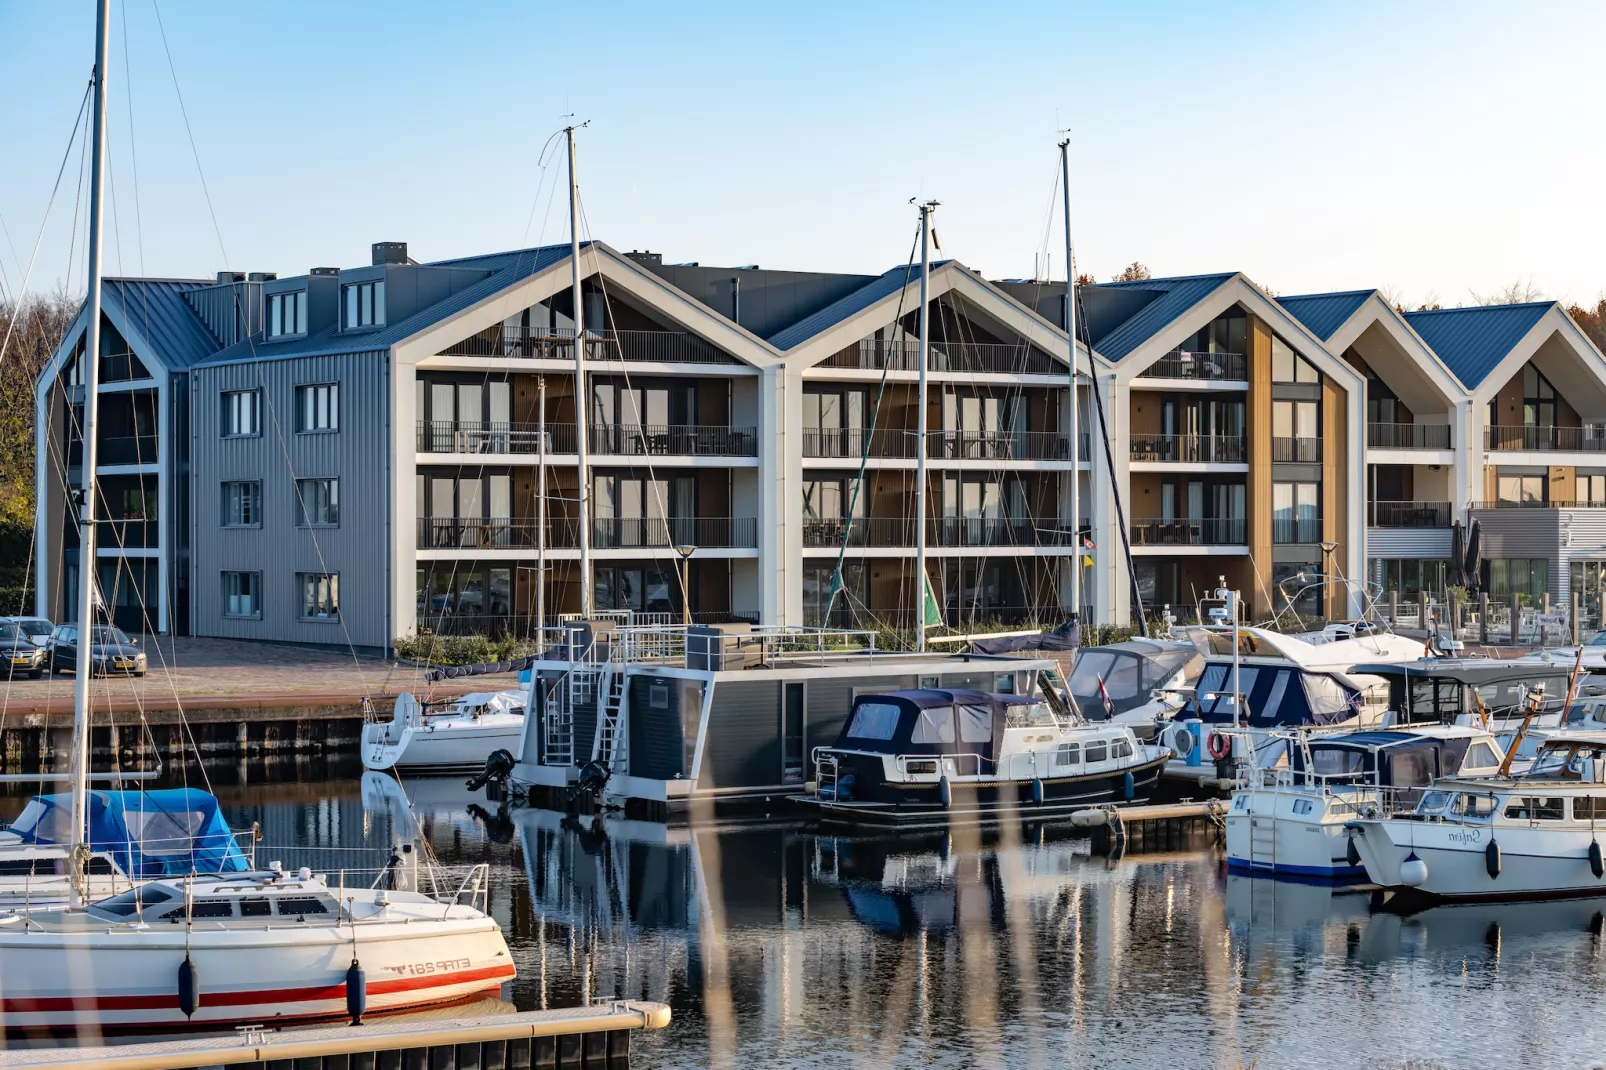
{"x": 127, "y": 980}
{"x": 444, "y": 744}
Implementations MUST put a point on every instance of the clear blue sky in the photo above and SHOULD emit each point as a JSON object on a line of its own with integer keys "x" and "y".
{"x": 1430, "y": 148}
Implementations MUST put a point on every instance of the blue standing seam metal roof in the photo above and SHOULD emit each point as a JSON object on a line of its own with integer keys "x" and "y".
{"x": 857, "y": 301}
{"x": 505, "y": 269}
{"x": 1324, "y": 314}
{"x": 154, "y": 310}
{"x": 1175, "y": 297}
{"x": 1473, "y": 341}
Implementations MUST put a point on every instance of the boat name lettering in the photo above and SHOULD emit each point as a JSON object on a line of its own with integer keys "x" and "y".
{"x": 419, "y": 969}
{"x": 1464, "y": 835}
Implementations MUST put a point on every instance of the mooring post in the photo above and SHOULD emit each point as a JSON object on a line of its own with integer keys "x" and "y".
{"x": 1573, "y": 620}
{"x": 1483, "y": 617}
{"x": 1516, "y": 617}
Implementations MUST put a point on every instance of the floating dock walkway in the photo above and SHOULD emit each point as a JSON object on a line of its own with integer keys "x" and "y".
{"x": 577, "y": 1038}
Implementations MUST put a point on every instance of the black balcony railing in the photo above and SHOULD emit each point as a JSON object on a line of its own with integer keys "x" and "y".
{"x": 1408, "y": 436}
{"x": 495, "y": 534}
{"x": 444, "y": 436}
{"x": 1200, "y": 449}
{"x": 1571, "y": 439}
{"x": 1553, "y": 504}
{"x": 849, "y": 442}
{"x": 709, "y": 532}
{"x": 1001, "y": 531}
{"x": 521, "y": 626}
{"x": 1214, "y": 532}
{"x": 903, "y": 355}
{"x": 677, "y": 440}
{"x": 1210, "y": 366}
{"x": 864, "y": 531}
{"x": 1410, "y": 514}
{"x": 1305, "y": 529}
{"x": 899, "y": 443}
{"x": 116, "y": 449}
{"x": 1303, "y": 450}
{"x": 663, "y": 347}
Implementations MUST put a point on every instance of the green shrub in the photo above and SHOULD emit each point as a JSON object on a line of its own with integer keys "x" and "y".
{"x": 460, "y": 649}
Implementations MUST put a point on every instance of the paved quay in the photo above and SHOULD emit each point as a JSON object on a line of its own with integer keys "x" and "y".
{"x": 224, "y": 679}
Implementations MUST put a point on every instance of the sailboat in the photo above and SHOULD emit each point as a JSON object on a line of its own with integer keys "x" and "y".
{"x": 207, "y": 950}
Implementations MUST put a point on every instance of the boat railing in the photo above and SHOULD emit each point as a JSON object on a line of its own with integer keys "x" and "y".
{"x": 476, "y": 885}
{"x": 669, "y": 645}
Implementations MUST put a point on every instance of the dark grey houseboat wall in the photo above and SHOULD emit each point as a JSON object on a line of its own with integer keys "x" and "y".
{"x": 358, "y": 454}
{"x": 657, "y": 743}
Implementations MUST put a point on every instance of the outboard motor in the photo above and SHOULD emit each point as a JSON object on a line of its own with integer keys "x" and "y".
{"x": 494, "y": 777}
{"x": 593, "y": 775}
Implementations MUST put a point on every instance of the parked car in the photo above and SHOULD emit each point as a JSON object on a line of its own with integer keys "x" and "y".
{"x": 37, "y": 629}
{"x": 112, "y": 650}
{"x": 20, "y": 653}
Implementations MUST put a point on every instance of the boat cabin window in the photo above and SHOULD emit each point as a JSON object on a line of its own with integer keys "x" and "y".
{"x": 1480, "y": 756}
{"x": 1034, "y": 715}
{"x": 1121, "y": 749}
{"x": 1534, "y": 808}
{"x": 1215, "y": 687}
{"x": 202, "y": 908}
{"x": 1435, "y": 700}
{"x": 1337, "y": 761}
{"x": 936, "y": 725}
{"x": 1434, "y": 802}
{"x": 1098, "y": 751}
{"x": 296, "y": 905}
{"x": 1507, "y": 694}
{"x": 874, "y": 720}
{"x": 1588, "y": 808}
{"x": 1122, "y": 675}
{"x": 975, "y": 724}
{"x": 1067, "y": 754}
{"x": 1411, "y": 768}
{"x": 255, "y": 908}
{"x": 125, "y": 904}
{"x": 1474, "y": 807}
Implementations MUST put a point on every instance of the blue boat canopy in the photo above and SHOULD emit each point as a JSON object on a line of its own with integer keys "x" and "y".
{"x": 936, "y": 722}
{"x": 1394, "y": 759}
{"x": 1275, "y": 695}
{"x": 165, "y": 833}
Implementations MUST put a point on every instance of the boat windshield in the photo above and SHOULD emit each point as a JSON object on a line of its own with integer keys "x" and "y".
{"x": 1463, "y": 805}
{"x": 1122, "y": 675}
{"x": 1036, "y": 715}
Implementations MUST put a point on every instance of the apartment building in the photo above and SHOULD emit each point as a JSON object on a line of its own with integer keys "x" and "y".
{"x": 351, "y": 455}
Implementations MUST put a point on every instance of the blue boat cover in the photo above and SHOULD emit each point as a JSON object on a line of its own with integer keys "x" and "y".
{"x": 165, "y": 833}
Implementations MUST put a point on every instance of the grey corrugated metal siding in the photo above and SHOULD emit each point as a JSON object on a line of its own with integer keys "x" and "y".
{"x": 657, "y": 745}
{"x": 743, "y": 743}
{"x": 829, "y": 701}
{"x": 1408, "y": 542}
{"x": 358, "y": 455}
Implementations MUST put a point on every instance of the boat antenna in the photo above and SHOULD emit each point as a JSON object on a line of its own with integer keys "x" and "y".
{"x": 1073, "y": 416}
{"x": 922, "y": 581}
{"x": 86, "y": 506}
{"x": 581, "y": 408}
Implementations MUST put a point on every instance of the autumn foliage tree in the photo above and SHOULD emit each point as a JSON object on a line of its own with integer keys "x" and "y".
{"x": 1133, "y": 272}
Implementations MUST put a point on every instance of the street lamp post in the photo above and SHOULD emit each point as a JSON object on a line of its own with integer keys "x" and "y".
{"x": 685, "y": 550}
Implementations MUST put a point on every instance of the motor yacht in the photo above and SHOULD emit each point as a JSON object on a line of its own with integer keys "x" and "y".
{"x": 921, "y": 756}
{"x": 1534, "y": 835}
{"x": 1140, "y": 683}
{"x": 1479, "y": 692}
{"x": 451, "y": 737}
{"x": 1290, "y": 821}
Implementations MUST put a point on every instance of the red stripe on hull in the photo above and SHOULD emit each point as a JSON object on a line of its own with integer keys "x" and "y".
{"x": 492, "y": 975}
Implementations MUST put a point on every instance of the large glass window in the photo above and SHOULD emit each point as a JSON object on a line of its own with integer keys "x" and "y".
{"x": 242, "y": 413}
{"x": 320, "y": 595}
{"x": 850, "y": 600}
{"x": 317, "y": 503}
{"x": 1538, "y": 399}
{"x": 1590, "y": 489}
{"x": 1529, "y": 489}
{"x": 1296, "y": 512}
{"x": 287, "y": 314}
{"x": 242, "y": 594}
{"x": 1507, "y": 576}
{"x": 1288, "y": 366}
{"x": 1413, "y": 575}
{"x": 242, "y": 504}
{"x": 318, "y": 407}
{"x": 834, "y": 420}
{"x": 364, "y": 304}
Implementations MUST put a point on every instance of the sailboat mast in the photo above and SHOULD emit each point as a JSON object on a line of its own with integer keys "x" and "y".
{"x": 1073, "y": 419}
{"x": 86, "y": 512}
{"x": 920, "y": 423}
{"x": 581, "y": 408}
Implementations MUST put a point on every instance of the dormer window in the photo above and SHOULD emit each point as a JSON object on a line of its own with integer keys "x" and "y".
{"x": 287, "y": 313}
{"x": 364, "y": 303}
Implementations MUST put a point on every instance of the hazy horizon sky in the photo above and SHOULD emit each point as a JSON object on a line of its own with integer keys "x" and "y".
{"x": 1434, "y": 149}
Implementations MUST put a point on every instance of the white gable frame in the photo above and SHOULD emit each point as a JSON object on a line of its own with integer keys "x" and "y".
{"x": 1554, "y": 321}
{"x": 1377, "y": 310}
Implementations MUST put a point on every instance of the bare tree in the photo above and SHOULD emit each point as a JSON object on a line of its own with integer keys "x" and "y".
{"x": 1515, "y": 293}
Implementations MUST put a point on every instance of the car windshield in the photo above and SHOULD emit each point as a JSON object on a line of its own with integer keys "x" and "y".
{"x": 35, "y": 626}
{"x": 107, "y": 634}
{"x": 10, "y": 631}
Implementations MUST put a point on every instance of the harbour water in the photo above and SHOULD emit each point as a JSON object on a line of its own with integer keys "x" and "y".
{"x": 777, "y": 947}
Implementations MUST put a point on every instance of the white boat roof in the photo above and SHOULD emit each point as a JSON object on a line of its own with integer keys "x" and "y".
{"x": 1337, "y": 654}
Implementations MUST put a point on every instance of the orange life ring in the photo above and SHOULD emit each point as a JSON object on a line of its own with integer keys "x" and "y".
{"x": 1220, "y": 746}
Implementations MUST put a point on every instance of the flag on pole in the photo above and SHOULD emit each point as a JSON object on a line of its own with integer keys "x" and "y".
{"x": 930, "y": 608}
{"x": 1105, "y": 695}
{"x": 1087, "y": 551}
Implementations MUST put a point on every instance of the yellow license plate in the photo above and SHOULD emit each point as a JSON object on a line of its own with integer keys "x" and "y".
{"x": 19, "y": 661}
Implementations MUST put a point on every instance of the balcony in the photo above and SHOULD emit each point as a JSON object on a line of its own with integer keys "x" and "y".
{"x": 438, "y": 436}
{"x": 1506, "y": 503}
{"x": 1159, "y": 532}
{"x": 1408, "y": 436}
{"x": 1558, "y": 439}
{"x": 1210, "y": 367}
{"x": 708, "y": 533}
{"x": 522, "y": 626}
{"x": 675, "y": 440}
{"x": 1189, "y": 449}
{"x": 659, "y": 347}
{"x": 1305, "y": 529}
{"x": 1299, "y": 450}
{"x": 944, "y": 533}
{"x": 436, "y": 533}
{"x": 1409, "y": 515}
{"x": 848, "y": 443}
{"x": 117, "y": 449}
{"x": 117, "y": 533}
{"x": 964, "y": 357}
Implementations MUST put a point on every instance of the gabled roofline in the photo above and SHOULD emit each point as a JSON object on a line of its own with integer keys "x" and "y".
{"x": 1376, "y": 309}
{"x": 1555, "y": 320}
